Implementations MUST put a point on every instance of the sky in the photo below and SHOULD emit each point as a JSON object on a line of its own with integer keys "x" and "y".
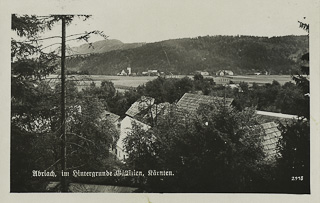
{"x": 154, "y": 20}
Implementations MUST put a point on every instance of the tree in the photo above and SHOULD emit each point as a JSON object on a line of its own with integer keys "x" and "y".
{"x": 214, "y": 150}
{"x": 293, "y": 166}
{"x": 35, "y": 121}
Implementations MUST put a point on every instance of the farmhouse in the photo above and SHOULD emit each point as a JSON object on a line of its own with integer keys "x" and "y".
{"x": 203, "y": 73}
{"x": 126, "y": 127}
{"x": 141, "y": 112}
{"x": 151, "y": 73}
{"x": 221, "y": 80}
{"x": 123, "y": 73}
{"x": 224, "y": 72}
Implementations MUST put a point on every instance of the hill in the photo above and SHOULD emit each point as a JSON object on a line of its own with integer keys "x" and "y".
{"x": 241, "y": 54}
{"x": 104, "y": 46}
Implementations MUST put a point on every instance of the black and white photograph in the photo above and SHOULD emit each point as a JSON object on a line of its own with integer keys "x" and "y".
{"x": 163, "y": 97}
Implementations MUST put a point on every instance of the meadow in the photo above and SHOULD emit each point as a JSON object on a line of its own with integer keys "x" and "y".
{"x": 123, "y": 83}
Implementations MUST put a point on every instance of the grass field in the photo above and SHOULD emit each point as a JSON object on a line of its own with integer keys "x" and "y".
{"x": 126, "y": 82}
{"x": 261, "y": 78}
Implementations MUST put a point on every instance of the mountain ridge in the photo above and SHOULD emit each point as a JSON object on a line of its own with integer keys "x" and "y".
{"x": 241, "y": 54}
{"x": 103, "y": 46}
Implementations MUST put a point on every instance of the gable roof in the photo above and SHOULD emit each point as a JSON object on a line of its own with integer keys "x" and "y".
{"x": 270, "y": 139}
{"x": 158, "y": 109}
{"x": 191, "y": 102}
{"x": 110, "y": 116}
{"x": 140, "y": 105}
{"x": 277, "y": 115}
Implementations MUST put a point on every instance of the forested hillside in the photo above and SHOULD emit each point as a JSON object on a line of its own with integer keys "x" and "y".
{"x": 241, "y": 54}
{"x": 104, "y": 46}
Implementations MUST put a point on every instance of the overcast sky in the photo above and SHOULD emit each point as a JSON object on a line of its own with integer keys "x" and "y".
{"x": 156, "y": 20}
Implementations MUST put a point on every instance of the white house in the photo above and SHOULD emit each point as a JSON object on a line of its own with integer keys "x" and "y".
{"x": 126, "y": 126}
{"x": 123, "y": 72}
{"x": 203, "y": 73}
{"x": 224, "y": 72}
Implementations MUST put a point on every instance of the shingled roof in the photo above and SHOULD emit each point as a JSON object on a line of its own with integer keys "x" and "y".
{"x": 110, "y": 116}
{"x": 140, "y": 105}
{"x": 191, "y": 102}
{"x": 270, "y": 139}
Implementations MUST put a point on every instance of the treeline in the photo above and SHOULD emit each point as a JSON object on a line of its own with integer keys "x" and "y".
{"x": 212, "y": 151}
{"x": 241, "y": 54}
{"x": 287, "y": 98}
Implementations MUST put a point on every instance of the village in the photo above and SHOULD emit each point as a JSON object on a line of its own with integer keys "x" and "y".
{"x": 189, "y": 113}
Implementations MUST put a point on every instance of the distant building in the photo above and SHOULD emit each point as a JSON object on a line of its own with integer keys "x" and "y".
{"x": 224, "y": 73}
{"x": 233, "y": 86}
{"x": 203, "y": 73}
{"x": 221, "y": 80}
{"x": 123, "y": 73}
{"x": 153, "y": 73}
{"x": 129, "y": 70}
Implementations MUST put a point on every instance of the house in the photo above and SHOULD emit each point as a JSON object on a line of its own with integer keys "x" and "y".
{"x": 191, "y": 102}
{"x": 272, "y": 134}
{"x": 123, "y": 73}
{"x": 142, "y": 113}
{"x": 128, "y": 71}
{"x": 221, "y": 80}
{"x": 203, "y": 73}
{"x": 153, "y": 73}
{"x": 224, "y": 72}
{"x": 270, "y": 137}
{"x": 113, "y": 118}
{"x": 141, "y": 105}
{"x": 126, "y": 126}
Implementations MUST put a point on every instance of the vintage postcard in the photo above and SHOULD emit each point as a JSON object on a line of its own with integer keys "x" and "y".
{"x": 160, "y": 101}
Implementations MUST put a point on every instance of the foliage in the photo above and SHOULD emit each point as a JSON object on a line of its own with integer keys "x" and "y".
{"x": 35, "y": 111}
{"x": 241, "y": 54}
{"x": 214, "y": 150}
{"x": 293, "y": 166}
{"x": 294, "y": 162}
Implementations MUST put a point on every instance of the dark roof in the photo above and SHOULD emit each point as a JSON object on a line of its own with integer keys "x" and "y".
{"x": 110, "y": 116}
{"x": 270, "y": 139}
{"x": 191, "y": 102}
{"x": 159, "y": 109}
{"x": 142, "y": 104}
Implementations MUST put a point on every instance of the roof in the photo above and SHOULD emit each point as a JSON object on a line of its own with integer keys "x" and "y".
{"x": 278, "y": 115}
{"x": 110, "y": 116}
{"x": 191, "y": 102}
{"x": 142, "y": 104}
{"x": 270, "y": 139}
{"x": 158, "y": 109}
